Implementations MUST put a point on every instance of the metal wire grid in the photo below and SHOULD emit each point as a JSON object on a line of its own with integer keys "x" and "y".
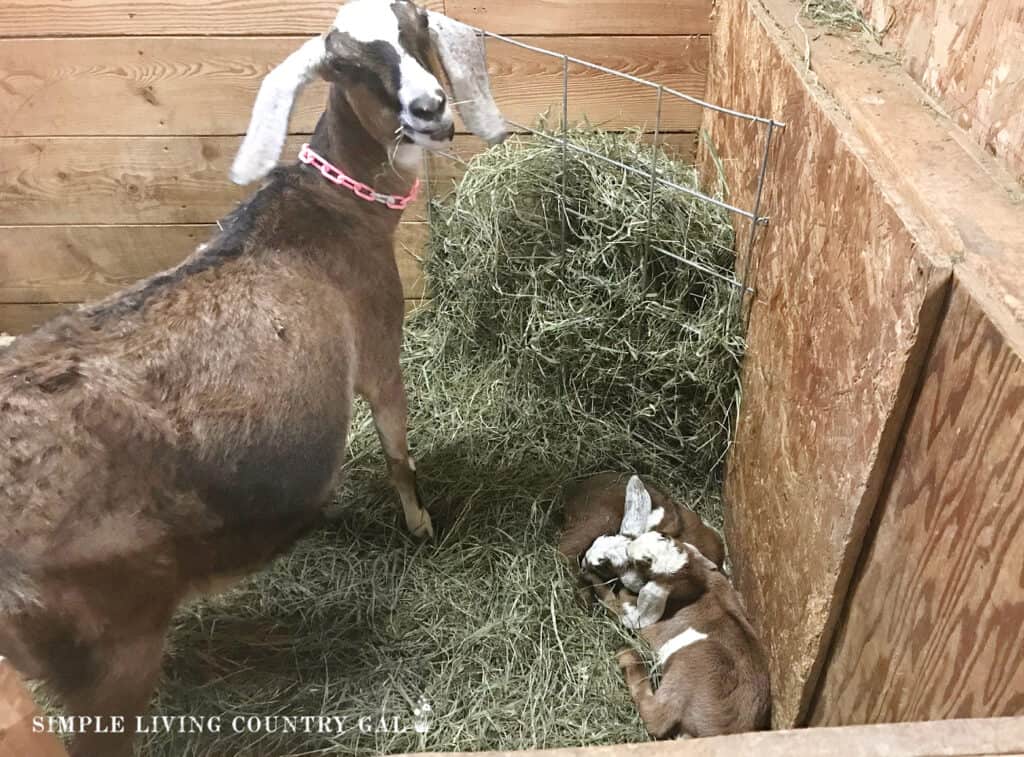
{"x": 753, "y": 216}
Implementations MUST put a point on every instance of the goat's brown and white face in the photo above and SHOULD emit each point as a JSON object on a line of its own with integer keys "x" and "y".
{"x": 386, "y": 56}
{"x": 380, "y": 52}
{"x": 655, "y": 554}
{"x": 606, "y": 557}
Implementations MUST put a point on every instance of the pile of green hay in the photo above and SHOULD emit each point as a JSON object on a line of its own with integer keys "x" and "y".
{"x": 529, "y": 368}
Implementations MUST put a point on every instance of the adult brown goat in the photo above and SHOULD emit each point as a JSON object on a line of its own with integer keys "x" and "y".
{"x": 185, "y": 431}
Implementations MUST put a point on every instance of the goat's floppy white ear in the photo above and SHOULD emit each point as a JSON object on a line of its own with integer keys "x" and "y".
{"x": 464, "y": 57}
{"x": 269, "y": 125}
{"x": 637, "y": 510}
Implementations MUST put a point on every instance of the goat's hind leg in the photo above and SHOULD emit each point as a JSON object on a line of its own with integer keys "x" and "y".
{"x": 660, "y": 717}
{"x": 110, "y": 680}
{"x": 391, "y": 417}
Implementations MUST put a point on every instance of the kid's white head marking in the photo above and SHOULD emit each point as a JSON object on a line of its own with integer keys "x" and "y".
{"x": 658, "y": 552}
{"x": 657, "y": 516}
{"x": 607, "y": 550}
{"x": 686, "y": 638}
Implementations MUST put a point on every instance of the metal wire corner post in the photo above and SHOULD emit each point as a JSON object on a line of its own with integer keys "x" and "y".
{"x": 565, "y": 152}
{"x": 757, "y": 220}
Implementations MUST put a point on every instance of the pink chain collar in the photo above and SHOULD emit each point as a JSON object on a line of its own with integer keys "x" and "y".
{"x": 335, "y": 175}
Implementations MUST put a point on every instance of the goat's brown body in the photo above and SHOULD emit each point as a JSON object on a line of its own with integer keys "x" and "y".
{"x": 594, "y": 507}
{"x": 717, "y": 683}
{"x": 186, "y": 431}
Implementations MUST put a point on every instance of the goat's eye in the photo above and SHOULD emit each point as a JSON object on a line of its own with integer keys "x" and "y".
{"x": 424, "y": 21}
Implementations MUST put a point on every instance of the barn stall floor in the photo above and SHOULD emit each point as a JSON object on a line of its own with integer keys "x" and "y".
{"x": 529, "y": 368}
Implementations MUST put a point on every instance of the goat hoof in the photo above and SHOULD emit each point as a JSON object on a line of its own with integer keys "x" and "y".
{"x": 423, "y": 527}
{"x": 627, "y": 656}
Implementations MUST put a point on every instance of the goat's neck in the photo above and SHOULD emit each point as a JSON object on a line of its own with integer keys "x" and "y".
{"x": 342, "y": 139}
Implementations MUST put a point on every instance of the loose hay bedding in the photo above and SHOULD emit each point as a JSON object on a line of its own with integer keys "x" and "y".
{"x": 528, "y": 368}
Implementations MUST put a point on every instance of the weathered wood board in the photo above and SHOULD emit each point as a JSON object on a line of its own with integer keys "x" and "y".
{"x": 78, "y": 263}
{"x": 44, "y": 18}
{"x": 996, "y": 736}
{"x": 933, "y": 625}
{"x": 599, "y": 17}
{"x": 207, "y": 85}
{"x": 169, "y": 180}
{"x": 968, "y": 54}
{"x": 847, "y": 300}
{"x": 41, "y": 18}
{"x": 140, "y": 180}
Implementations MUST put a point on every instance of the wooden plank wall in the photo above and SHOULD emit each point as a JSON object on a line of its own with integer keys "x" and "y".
{"x": 967, "y": 54}
{"x": 118, "y": 121}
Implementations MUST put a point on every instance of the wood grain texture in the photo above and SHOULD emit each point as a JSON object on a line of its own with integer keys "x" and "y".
{"x": 972, "y": 206}
{"x": 591, "y": 17}
{"x": 996, "y": 736}
{"x": 206, "y": 86}
{"x": 933, "y": 627}
{"x": 20, "y": 319}
{"x": 44, "y": 18}
{"x": 50, "y": 18}
{"x": 147, "y": 180}
{"x": 846, "y": 300}
{"x": 969, "y": 54}
{"x": 79, "y": 263}
{"x": 109, "y": 180}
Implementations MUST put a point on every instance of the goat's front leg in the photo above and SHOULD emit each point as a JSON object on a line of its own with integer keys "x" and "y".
{"x": 649, "y": 607}
{"x": 391, "y": 417}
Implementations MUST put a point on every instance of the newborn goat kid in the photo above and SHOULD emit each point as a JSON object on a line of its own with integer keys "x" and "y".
{"x": 714, "y": 675}
{"x": 604, "y": 513}
{"x": 186, "y": 431}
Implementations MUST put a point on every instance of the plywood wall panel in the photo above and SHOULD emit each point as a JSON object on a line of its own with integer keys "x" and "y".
{"x": 846, "y": 305}
{"x": 206, "y": 86}
{"x": 45, "y": 18}
{"x": 933, "y": 626}
{"x": 969, "y": 55}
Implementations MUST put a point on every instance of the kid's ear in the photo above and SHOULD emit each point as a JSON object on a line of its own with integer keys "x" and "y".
{"x": 637, "y": 510}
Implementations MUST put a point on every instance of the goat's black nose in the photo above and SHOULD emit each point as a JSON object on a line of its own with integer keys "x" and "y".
{"x": 429, "y": 107}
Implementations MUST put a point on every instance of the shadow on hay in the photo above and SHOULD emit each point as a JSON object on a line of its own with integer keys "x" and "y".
{"x": 360, "y": 619}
